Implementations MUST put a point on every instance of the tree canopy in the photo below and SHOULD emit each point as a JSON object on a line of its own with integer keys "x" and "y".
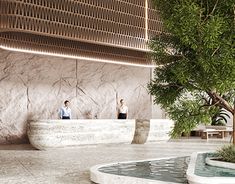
{"x": 195, "y": 55}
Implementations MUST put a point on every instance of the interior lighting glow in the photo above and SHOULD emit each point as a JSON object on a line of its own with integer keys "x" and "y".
{"x": 146, "y": 20}
{"x": 76, "y": 57}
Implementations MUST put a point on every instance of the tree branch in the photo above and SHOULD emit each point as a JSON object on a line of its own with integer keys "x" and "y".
{"x": 172, "y": 85}
{"x": 211, "y": 11}
{"x": 206, "y": 105}
{"x": 219, "y": 101}
{"x": 214, "y": 8}
{"x": 193, "y": 85}
{"x": 207, "y": 101}
{"x": 215, "y": 51}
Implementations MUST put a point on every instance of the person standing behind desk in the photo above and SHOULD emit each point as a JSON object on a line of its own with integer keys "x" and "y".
{"x": 65, "y": 112}
{"x": 122, "y": 110}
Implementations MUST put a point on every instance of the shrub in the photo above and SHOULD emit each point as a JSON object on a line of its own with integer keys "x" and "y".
{"x": 227, "y": 153}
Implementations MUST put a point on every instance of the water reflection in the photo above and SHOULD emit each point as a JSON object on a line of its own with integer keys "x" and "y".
{"x": 168, "y": 170}
{"x": 171, "y": 170}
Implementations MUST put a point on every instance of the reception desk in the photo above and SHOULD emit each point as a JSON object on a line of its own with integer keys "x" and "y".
{"x": 47, "y": 134}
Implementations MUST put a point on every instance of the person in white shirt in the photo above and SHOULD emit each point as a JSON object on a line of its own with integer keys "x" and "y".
{"x": 65, "y": 112}
{"x": 122, "y": 110}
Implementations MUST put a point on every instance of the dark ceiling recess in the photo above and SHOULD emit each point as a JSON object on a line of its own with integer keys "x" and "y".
{"x": 113, "y": 30}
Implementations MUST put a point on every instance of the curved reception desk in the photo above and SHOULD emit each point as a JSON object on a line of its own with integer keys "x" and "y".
{"x": 47, "y": 134}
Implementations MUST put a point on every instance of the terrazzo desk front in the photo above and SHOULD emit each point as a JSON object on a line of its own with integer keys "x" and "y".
{"x": 47, "y": 134}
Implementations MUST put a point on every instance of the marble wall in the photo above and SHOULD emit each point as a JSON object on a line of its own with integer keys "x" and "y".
{"x": 34, "y": 87}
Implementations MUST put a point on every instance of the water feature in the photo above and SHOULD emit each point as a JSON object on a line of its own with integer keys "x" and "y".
{"x": 202, "y": 169}
{"x": 166, "y": 170}
{"x": 170, "y": 170}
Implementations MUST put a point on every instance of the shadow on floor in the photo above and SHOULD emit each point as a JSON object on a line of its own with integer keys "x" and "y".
{"x": 17, "y": 147}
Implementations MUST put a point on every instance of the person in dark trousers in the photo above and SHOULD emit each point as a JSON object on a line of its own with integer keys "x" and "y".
{"x": 122, "y": 110}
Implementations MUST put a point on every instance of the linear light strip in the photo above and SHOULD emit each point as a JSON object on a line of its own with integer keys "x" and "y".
{"x": 146, "y": 20}
{"x": 76, "y": 57}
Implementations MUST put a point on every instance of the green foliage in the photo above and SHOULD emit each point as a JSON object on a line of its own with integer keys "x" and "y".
{"x": 196, "y": 59}
{"x": 227, "y": 153}
{"x": 188, "y": 113}
{"x": 220, "y": 118}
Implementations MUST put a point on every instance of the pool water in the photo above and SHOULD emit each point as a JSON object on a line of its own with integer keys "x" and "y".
{"x": 204, "y": 170}
{"x": 167, "y": 170}
{"x": 171, "y": 170}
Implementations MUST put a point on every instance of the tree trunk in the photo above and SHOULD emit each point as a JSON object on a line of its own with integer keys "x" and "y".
{"x": 233, "y": 127}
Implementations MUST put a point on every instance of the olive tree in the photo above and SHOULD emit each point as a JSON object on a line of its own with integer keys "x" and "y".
{"x": 195, "y": 55}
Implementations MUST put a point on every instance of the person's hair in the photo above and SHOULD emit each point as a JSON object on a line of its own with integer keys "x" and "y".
{"x": 66, "y": 101}
{"x": 121, "y": 100}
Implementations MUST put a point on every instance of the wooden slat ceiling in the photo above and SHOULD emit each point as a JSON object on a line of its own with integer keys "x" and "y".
{"x": 111, "y": 30}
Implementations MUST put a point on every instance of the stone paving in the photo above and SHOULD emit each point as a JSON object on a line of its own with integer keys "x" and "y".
{"x": 23, "y": 164}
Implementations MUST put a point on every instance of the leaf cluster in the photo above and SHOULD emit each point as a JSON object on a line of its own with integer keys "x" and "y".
{"x": 227, "y": 153}
{"x": 188, "y": 112}
{"x": 196, "y": 60}
{"x": 199, "y": 45}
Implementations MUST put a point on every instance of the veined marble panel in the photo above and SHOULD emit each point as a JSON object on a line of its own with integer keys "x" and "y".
{"x": 46, "y": 134}
{"x": 152, "y": 130}
{"x": 34, "y": 87}
{"x": 160, "y": 129}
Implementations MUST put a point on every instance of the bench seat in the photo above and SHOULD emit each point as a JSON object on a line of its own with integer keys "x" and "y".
{"x": 211, "y": 132}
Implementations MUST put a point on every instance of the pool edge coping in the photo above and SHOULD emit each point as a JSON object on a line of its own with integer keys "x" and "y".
{"x": 195, "y": 179}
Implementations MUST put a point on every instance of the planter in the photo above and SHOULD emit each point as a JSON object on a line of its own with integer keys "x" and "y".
{"x": 211, "y": 161}
{"x": 199, "y": 173}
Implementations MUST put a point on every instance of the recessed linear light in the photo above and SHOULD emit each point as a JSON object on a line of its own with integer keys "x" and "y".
{"x": 76, "y": 57}
{"x": 146, "y": 20}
